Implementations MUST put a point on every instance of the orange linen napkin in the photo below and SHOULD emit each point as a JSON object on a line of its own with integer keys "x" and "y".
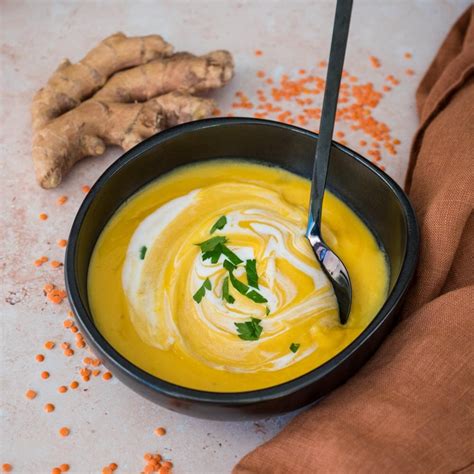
{"x": 410, "y": 409}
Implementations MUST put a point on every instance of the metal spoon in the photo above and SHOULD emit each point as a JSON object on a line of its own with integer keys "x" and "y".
{"x": 330, "y": 262}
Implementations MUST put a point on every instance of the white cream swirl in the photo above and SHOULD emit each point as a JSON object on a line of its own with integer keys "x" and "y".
{"x": 261, "y": 225}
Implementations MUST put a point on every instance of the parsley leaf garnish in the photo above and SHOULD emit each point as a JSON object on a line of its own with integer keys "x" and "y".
{"x": 256, "y": 296}
{"x": 250, "y": 330}
{"x": 230, "y": 255}
{"x": 225, "y": 291}
{"x": 210, "y": 244}
{"x": 199, "y": 295}
{"x": 251, "y": 270}
{"x": 230, "y": 267}
{"x": 243, "y": 289}
{"x": 212, "y": 254}
{"x": 219, "y": 224}
{"x": 294, "y": 346}
{"x": 238, "y": 285}
{"x": 143, "y": 250}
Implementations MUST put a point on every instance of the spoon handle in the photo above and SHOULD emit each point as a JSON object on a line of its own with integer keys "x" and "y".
{"x": 331, "y": 93}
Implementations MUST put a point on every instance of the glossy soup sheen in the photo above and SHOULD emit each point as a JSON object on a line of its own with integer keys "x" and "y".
{"x": 146, "y": 267}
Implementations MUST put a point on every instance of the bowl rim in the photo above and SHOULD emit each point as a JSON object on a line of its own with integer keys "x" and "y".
{"x": 254, "y": 396}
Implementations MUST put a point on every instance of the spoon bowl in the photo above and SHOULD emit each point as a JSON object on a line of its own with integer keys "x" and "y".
{"x": 336, "y": 272}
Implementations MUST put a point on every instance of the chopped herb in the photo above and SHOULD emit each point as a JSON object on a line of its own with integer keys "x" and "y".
{"x": 267, "y": 310}
{"x": 250, "y": 330}
{"x": 230, "y": 267}
{"x": 210, "y": 244}
{"x": 230, "y": 255}
{"x": 219, "y": 224}
{"x": 225, "y": 291}
{"x": 294, "y": 346}
{"x": 199, "y": 295}
{"x": 213, "y": 255}
{"x": 238, "y": 285}
{"x": 252, "y": 276}
{"x": 216, "y": 254}
{"x": 243, "y": 289}
{"x": 256, "y": 296}
{"x": 143, "y": 250}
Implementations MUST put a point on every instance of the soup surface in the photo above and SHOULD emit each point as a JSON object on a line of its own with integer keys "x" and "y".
{"x": 205, "y": 278}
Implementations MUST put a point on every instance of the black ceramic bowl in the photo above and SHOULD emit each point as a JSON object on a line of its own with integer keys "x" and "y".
{"x": 374, "y": 196}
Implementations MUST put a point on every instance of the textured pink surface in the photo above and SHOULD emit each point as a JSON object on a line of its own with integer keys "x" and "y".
{"x": 108, "y": 422}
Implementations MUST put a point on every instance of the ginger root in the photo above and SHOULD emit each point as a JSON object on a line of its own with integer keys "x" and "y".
{"x": 123, "y": 91}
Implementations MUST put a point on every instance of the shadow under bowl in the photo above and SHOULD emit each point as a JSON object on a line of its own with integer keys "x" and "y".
{"x": 373, "y": 195}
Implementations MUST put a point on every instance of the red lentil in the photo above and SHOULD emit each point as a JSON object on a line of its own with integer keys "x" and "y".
{"x": 30, "y": 394}
{"x": 64, "y": 431}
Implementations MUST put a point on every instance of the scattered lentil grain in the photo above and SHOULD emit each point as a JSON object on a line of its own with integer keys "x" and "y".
{"x": 107, "y": 376}
{"x": 30, "y": 394}
{"x": 64, "y": 431}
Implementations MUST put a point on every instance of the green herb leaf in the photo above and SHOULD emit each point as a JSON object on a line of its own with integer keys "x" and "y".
{"x": 225, "y": 291}
{"x": 252, "y": 276}
{"x": 250, "y": 330}
{"x": 294, "y": 346}
{"x": 230, "y": 267}
{"x": 243, "y": 289}
{"x": 230, "y": 255}
{"x": 238, "y": 285}
{"x": 212, "y": 254}
{"x": 256, "y": 296}
{"x": 219, "y": 224}
{"x": 210, "y": 244}
{"x": 199, "y": 295}
{"x": 267, "y": 310}
{"x": 143, "y": 250}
